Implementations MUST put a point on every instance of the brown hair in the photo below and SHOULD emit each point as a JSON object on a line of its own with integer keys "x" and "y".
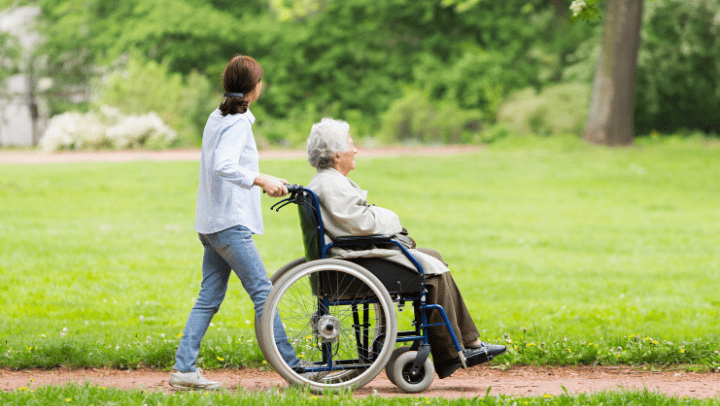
{"x": 241, "y": 75}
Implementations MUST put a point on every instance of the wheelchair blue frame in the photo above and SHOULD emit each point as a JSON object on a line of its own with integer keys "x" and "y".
{"x": 419, "y": 336}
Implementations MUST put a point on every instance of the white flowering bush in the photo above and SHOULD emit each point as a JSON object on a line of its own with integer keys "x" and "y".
{"x": 72, "y": 131}
{"x": 146, "y": 131}
{"x": 577, "y": 7}
{"x": 108, "y": 128}
{"x": 584, "y": 9}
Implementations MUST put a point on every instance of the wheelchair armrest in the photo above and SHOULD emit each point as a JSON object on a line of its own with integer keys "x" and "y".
{"x": 362, "y": 239}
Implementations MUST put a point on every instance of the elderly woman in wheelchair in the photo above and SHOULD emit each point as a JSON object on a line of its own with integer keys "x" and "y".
{"x": 338, "y": 302}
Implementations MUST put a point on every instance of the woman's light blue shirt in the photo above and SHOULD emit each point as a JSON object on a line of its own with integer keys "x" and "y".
{"x": 228, "y": 168}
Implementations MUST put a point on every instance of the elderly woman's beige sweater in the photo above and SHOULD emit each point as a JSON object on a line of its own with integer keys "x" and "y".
{"x": 345, "y": 212}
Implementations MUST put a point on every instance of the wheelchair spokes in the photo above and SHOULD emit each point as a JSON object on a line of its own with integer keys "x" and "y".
{"x": 337, "y": 321}
{"x": 331, "y": 332}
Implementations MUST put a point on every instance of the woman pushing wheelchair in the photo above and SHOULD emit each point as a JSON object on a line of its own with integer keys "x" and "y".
{"x": 345, "y": 212}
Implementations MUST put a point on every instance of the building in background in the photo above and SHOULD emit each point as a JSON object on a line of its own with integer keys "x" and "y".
{"x": 23, "y": 114}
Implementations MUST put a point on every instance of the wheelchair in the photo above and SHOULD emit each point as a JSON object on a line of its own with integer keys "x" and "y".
{"x": 339, "y": 314}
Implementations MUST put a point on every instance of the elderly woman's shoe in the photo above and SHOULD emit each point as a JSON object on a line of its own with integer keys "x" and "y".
{"x": 473, "y": 357}
{"x": 476, "y": 356}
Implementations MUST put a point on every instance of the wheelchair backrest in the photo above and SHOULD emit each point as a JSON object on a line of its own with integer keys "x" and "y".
{"x": 310, "y": 223}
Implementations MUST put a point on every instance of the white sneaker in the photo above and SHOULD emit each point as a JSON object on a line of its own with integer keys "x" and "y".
{"x": 192, "y": 380}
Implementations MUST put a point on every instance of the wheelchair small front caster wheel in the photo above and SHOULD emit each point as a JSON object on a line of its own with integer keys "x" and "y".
{"x": 391, "y": 363}
{"x": 407, "y": 382}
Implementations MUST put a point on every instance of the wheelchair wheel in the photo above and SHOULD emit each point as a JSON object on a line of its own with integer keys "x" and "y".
{"x": 338, "y": 317}
{"x": 339, "y": 376}
{"x": 391, "y": 362}
{"x": 273, "y": 279}
{"x": 283, "y": 270}
{"x": 407, "y": 382}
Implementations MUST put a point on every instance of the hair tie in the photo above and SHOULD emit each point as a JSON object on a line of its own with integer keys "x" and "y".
{"x": 229, "y": 94}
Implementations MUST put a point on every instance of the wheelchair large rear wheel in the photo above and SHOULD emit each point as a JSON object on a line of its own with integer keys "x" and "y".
{"x": 338, "y": 316}
{"x": 274, "y": 278}
{"x": 378, "y": 332}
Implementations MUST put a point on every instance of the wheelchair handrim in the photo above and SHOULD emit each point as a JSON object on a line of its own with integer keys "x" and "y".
{"x": 364, "y": 276}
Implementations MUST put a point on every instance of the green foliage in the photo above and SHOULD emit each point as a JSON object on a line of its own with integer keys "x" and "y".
{"x": 9, "y": 54}
{"x": 354, "y": 59}
{"x": 677, "y": 77}
{"x": 557, "y": 109}
{"x": 195, "y": 34}
{"x": 182, "y": 103}
{"x": 679, "y": 67}
{"x": 340, "y": 59}
{"x": 288, "y": 10}
{"x": 477, "y": 80}
{"x": 415, "y": 118}
{"x": 480, "y": 70}
{"x": 585, "y": 10}
{"x": 182, "y": 36}
{"x": 286, "y": 132}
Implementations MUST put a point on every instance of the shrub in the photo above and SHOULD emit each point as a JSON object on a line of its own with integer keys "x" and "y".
{"x": 184, "y": 103}
{"x": 106, "y": 128}
{"x": 415, "y": 118}
{"x": 146, "y": 131}
{"x": 291, "y": 131}
{"x": 557, "y": 109}
{"x": 678, "y": 63}
{"x": 73, "y": 130}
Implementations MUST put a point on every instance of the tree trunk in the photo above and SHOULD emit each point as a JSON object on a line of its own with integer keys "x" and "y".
{"x": 610, "y": 119}
{"x": 32, "y": 103}
{"x": 560, "y": 8}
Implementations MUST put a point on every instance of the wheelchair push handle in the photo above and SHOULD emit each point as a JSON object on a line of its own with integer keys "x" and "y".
{"x": 291, "y": 188}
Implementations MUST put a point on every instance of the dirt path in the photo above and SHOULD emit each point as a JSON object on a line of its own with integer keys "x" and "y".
{"x": 38, "y": 157}
{"x": 520, "y": 381}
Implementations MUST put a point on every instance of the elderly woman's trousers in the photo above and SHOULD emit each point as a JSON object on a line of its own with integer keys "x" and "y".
{"x": 443, "y": 291}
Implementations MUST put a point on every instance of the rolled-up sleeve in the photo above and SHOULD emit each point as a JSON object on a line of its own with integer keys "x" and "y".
{"x": 228, "y": 151}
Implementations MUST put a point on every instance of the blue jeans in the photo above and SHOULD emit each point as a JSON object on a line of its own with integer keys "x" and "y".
{"x": 229, "y": 249}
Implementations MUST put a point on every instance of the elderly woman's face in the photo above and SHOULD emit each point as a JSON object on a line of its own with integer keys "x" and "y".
{"x": 345, "y": 161}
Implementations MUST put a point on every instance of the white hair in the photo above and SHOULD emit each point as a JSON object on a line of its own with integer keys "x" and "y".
{"x": 327, "y": 138}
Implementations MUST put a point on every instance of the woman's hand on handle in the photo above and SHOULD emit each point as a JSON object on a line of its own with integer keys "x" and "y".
{"x": 274, "y": 187}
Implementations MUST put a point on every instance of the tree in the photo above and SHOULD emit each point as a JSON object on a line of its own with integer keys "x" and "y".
{"x": 610, "y": 118}
{"x": 9, "y": 55}
{"x": 678, "y": 85}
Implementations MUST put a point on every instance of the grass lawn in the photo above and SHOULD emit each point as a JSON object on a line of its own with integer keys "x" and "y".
{"x": 567, "y": 253}
{"x": 74, "y": 394}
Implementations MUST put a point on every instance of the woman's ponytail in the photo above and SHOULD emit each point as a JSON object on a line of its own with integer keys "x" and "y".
{"x": 240, "y": 77}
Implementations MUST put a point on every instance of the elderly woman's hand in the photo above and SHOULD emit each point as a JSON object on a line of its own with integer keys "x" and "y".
{"x": 274, "y": 187}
